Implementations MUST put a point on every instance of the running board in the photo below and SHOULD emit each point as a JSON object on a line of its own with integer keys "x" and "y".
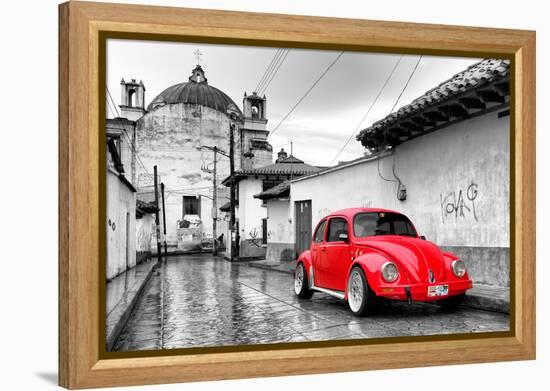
{"x": 337, "y": 294}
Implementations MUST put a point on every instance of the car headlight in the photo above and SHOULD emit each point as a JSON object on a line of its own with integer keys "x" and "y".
{"x": 459, "y": 268}
{"x": 389, "y": 272}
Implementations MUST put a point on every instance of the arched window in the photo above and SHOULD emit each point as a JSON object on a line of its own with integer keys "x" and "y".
{"x": 131, "y": 98}
{"x": 255, "y": 112}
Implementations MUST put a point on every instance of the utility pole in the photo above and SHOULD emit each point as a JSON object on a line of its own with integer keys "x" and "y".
{"x": 232, "y": 194}
{"x": 164, "y": 221}
{"x": 157, "y": 222}
{"x": 235, "y": 117}
{"x": 216, "y": 151}
{"x": 214, "y": 204}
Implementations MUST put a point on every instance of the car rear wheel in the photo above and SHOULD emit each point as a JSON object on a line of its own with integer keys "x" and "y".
{"x": 301, "y": 284}
{"x": 361, "y": 299}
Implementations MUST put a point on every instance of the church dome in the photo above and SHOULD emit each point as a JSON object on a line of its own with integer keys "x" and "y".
{"x": 196, "y": 91}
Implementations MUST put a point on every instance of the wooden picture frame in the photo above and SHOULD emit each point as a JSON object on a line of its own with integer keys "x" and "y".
{"x": 81, "y": 25}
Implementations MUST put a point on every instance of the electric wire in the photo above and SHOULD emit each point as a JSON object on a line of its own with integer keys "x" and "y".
{"x": 268, "y": 69}
{"x": 368, "y": 111}
{"x": 306, "y": 93}
{"x": 406, "y": 84}
{"x": 264, "y": 88}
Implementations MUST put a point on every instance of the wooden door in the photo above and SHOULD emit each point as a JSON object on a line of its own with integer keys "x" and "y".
{"x": 302, "y": 218}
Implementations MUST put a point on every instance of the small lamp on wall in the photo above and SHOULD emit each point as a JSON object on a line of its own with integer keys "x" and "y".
{"x": 401, "y": 192}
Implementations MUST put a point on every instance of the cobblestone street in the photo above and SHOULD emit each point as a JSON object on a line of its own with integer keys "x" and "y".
{"x": 196, "y": 301}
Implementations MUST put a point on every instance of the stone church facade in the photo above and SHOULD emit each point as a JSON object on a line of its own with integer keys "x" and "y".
{"x": 176, "y": 132}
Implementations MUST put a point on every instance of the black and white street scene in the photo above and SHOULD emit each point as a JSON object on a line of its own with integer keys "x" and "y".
{"x": 261, "y": 195}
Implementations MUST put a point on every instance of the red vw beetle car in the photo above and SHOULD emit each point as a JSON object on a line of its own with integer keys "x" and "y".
{"x": 363, "y": 254}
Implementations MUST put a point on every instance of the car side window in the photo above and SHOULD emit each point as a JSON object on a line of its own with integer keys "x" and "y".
{"x": 336, "y": 227}
{"x": 320, "y": 233}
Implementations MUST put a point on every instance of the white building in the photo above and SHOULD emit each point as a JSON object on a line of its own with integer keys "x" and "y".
{"x": 252, "y": 222}
{"x": 443, "y": 160}
{"x": 120, "y": 200}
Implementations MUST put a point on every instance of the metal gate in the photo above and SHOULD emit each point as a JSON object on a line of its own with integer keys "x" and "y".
{"x": 302, "y": 214}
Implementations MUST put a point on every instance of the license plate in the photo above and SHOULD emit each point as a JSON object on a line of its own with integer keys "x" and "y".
{"x": 438, "y": 290}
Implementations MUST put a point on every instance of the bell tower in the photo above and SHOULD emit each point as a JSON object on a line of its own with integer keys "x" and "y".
{"x": 132, "y": 95}
{"x": 254, "y": 110}
{"x": 257, "y": 151}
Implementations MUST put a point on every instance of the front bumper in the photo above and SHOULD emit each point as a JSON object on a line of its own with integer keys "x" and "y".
{"x": 419, "y": 292}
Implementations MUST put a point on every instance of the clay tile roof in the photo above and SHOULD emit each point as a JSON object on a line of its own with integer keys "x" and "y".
{"x": 476, "y": 76}
{"x": 288, "y": 165}
{"x": 227, "y": 206}
{"x": 143, "y": 207}
{"x": 280, "y": 190}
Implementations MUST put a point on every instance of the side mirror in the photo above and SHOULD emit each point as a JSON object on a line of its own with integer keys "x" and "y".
{"x": 343, "y": 237}
{"x": 422, "y": 237}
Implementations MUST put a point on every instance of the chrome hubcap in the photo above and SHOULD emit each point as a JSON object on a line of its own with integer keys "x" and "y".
{"x": 355, "y": 291}
{"x": 299, "y": 279}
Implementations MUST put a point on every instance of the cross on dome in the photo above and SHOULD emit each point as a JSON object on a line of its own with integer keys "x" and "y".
{"x": 198, "y": 55}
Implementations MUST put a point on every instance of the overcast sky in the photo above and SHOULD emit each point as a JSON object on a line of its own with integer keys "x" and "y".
{"x": 323, "y": 121}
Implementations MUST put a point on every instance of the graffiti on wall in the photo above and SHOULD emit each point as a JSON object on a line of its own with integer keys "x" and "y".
{"x": 461, "y": 203}
{"x": 255, "y": 236}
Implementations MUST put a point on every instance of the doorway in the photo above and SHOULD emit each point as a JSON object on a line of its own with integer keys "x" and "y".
{"x": 302, "y": 214}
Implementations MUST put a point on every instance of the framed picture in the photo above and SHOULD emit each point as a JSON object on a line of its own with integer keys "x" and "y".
{"x": 247, "y": 195}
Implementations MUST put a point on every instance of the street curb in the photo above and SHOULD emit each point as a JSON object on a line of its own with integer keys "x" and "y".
{"x": 130, "y": 298}
{"x": 268, "y": 267}
{"x": 487, "y": 303}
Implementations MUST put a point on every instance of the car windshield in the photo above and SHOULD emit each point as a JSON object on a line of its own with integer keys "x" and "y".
{"x": 382, "y": 223}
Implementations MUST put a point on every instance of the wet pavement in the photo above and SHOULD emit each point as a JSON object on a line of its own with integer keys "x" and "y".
{"x": 199, "y": 301}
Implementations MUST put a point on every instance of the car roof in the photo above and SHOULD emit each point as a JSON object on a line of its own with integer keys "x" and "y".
{"x": 350, "y": 212}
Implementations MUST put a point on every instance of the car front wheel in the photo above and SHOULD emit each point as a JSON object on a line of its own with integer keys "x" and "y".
{"x": 301, "y": 284}
{"x": 361, "y": 299}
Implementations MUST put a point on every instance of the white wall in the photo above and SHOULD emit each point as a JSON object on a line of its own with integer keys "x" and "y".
{"x": 169, "y": 137}
{"x": 145, "y": 229}
{"x": 251, "y": 212}
{"x": 469, "y": 158}
{"x": 121, "y": 202}
{"x": 279, "y": 223}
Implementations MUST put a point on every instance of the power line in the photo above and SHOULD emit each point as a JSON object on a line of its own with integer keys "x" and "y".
{"x": 307, "y": 93}
{"x": 264, "y": 88}
{"x": 269, "y": 68}
{"x": 368, "y": 111}
{"x": 406, "y": 84}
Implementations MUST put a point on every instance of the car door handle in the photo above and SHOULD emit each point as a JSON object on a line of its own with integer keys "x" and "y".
{"x": 323, "y": 248}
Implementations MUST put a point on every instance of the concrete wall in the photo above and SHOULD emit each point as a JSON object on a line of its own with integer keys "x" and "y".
{"x": 169, "y": 137}
{"x": 280, "y": 231}
{"x": 121, "y": 226}
{"x": 262, "y": 157}
{"x": 145, "y": 230}
{"x": 250, "y": 214}
{"x": 457, "y": 182}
